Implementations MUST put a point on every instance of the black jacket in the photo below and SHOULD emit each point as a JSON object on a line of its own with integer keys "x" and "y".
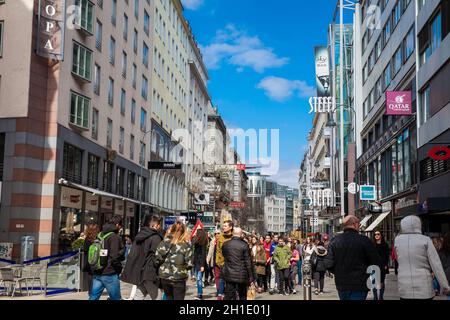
{"x": 140, "y": 265}
{"x": 199, "y": 256}
{"x": 86, "y": 265}
{"x": 384, "y": 253}
{"x": 349, "y": 256}
{"x": 238, "y": 265}
{"x": 116, "y": 252}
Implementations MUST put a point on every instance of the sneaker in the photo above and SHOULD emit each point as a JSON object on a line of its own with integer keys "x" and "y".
{"x": 286, "y": 293}
{"x": 220, "y": 297}
{"x": 316, "y": 292}
{"x": 321, "y": 293}
{"x": 199, "y": 298}
{"x": 294, "y": 292}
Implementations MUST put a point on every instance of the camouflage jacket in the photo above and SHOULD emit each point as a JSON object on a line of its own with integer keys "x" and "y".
{"x": 174, "y": 260}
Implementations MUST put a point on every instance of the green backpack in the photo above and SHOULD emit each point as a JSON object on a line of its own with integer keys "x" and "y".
{"x": 97, "y": 255}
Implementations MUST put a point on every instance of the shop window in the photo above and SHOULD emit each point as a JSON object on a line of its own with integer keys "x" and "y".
{"x": 93, "y": 169}
{"x": 120, "y": 180}
{"x": 108, "y": 168}
{"x": 72, "y": 163}
{"x": 130, "y": 184}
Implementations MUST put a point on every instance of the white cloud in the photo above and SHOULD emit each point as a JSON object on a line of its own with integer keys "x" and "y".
{"x": 241, "y": 50}
{"x": 192, "y": 4}
{"x": 287, "y": 177}
{"x": 281, "y": 89}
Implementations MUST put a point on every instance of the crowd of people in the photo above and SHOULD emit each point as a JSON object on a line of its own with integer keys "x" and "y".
{"x": 159, "y": 263}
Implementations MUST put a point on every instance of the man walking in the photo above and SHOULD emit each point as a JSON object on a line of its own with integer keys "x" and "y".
{"x": 237, "y": 272}
{"x": 349, "y": 256}
{"x": 113, "y": 254}
{"x": 274, "y": 276}
{"x": 140, "y": 269}
{"x": 282, "y": 257}
{"x": 225, "y": 236}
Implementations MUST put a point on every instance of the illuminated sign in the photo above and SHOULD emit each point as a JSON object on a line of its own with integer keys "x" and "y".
{"x": 50, "y": 33}
{"x": 398, "y": 103}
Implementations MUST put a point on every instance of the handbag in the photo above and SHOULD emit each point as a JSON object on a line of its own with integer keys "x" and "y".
{"x": 251, "y": 292}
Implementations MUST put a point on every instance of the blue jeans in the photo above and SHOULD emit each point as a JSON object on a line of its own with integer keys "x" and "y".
{"x": 199, "y": 275}
{"x": 221, "y": 286}
{"x": 111, "y": 283}
{"x": 353, "y": 295}
{"x": 436, "y": 285}
{"x": 299, "y": 271}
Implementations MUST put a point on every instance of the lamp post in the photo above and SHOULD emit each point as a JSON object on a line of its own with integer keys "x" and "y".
{"x": 142, "y": 163}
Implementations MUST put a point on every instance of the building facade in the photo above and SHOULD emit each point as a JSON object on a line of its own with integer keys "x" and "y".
{"x": 275, "y": 214}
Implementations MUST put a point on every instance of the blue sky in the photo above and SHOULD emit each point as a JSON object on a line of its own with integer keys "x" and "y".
{"x": 260, "y": 56}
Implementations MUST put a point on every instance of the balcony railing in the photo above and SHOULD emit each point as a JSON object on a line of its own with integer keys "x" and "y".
{"x": 69, "y": 175}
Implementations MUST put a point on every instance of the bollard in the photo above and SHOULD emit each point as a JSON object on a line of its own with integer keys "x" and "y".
{"x": 307, "y": 279}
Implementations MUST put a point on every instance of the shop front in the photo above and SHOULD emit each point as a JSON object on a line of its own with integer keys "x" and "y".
{"x": 71, "y": 204}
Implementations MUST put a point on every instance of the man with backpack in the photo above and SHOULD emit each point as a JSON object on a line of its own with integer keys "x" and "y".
{"x": 105, "y": 259}
{"x": 140, "y": 268}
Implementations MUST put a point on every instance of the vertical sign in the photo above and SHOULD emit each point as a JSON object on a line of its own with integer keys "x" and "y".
{"x": 322, "y": 72}
{"x": 398, "y": 103}
{"x": 50, "y": 32}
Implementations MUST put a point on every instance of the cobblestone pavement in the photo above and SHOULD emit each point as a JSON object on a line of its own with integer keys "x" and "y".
{"x": 330, "y": 293}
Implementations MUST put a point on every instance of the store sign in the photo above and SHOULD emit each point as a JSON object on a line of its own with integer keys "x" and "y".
{"x": 322, "y": 104}
{"x": 91, "y": 202}
{"x": 368, "y": 193}
{"x": 240, "y": 167}
{"x": 320, "y": 198}
{"x": 439, "y": 153}
{"x": 107, "y": 203}
{"x": 236, "y": 204}
{"x": 353, "y": 188}
{"x": 169, "y": 221}
{"x": 130, "y": 209}
{"x": 50, "y": 33}
{"x": 398, "y": 103}
{"x": 320, "y": 185}
{"x": 119, "y": 207}
{"x": 71, "y": 198}
{"x": 322, "y": 71}
{"x": 157, "y": 165}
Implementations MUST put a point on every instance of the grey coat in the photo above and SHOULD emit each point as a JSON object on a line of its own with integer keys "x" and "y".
{"x": 417, "y": 259}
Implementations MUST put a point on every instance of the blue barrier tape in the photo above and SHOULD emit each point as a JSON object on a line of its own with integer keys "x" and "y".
{"x": 71, "y": 253}
{"x": 7, "y": 261}
{"x": 61, "y": 259}
{"x": 57, "y": 291}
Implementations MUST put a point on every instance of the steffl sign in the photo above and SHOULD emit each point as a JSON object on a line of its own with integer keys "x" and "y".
{"x": 50, "y": 31}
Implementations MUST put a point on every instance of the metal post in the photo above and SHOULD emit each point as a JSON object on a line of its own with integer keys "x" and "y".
{"x": 307, "y": 279}
{"x": 341, "y": 100}
{"x": 141, "y": 179}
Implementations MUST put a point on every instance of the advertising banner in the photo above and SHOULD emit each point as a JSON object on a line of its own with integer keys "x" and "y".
{"x": 322, "y": 72}
{"x": 91, "y": 202}
{"x": 398, "y": 103}
{"x": 71, "y": 198}
{"x": 50, "y": 33}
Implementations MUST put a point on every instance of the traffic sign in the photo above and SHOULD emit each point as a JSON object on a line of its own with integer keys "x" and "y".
{"x": 368, "y": 193}
{"x": 353, "y": 188}
{"x": 168, "y": 221}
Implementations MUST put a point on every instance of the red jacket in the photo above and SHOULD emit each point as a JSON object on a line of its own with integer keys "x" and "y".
{"x": 267, "y": 247}
{"x": 393, "y": 255}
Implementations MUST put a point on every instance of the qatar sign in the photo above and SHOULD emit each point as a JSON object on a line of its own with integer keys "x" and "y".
{"x": 398, "y": 103}
{"x": 50, "y": 33}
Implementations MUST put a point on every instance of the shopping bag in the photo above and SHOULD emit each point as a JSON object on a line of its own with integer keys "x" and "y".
{"x": 251, "y": 292}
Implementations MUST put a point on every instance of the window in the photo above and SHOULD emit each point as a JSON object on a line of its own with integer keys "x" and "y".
{"x": 120, "y": 180}
{"x": 112, "y": 50}
{"x": 371, "y": 62}
{"x": 93, "y": 169}
{"x": 387, "y": 77}
{"x": 387, "y": 32}
{"x": 97, "y": 79}
{"x": 397, "y": 61}
{"x": 130, "y": 184}
{"x": 125, "y": 27}
{"x": 146, "y": 22}
{"x": 2, "y": 23}
{"x": 131, "y": 147}
{"x": 123, "y": 101}
{"x": 133, "y": 111}
{"x": 82, "y": 61}
{"x": 408, "y": 44}
{"x": 144, "y": 89}
{"x": 85, "y": 21}
{"x": 430, "y": 38}
{"x": 113, "y": 12}
{"x": 143, "y": 120}
{"x": 121, "y": 140}
{"x": 124, "y": 64}
{"x": 378, "y": 48}
{"x": 72, "y": 163}
{"x": 145, "y": 54}
{"x": 142, "y": 153}
{"x": 136, "y": 9}
{"x": 134, "y": 75}
{"x": 378, "y": 89}
{"x": 94, "y": 124}
{"x": 109, "y": 132}
{"x": 108, "y": 168}
{"x": 424, "y": 105}
{"x": 79, "y": 110}
{"x": 111, "y": 92}
{"x": 98, "y": 35}
{"x": 135, "y": 41}
{"x": 396, "y": 13}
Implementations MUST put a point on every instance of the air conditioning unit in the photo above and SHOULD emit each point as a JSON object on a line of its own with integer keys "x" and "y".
{"x": 112, "y": 155}
{"x": 201, "y": 198}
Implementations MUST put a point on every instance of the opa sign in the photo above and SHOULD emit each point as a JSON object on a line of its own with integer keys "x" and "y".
{"x": 50, "y": 33}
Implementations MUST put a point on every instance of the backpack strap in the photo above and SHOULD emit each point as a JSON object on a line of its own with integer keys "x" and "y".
{"x": 102, "y": 236}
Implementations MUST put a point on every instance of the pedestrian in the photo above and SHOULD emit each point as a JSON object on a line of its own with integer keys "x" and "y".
{"x": 267, "y": 247}
{"x": 211, "y": 259}
{"x": 128, "y": 244}
{"x": 349, "y": 255}
{"x": 274, "y": 278}
{"x": 111, "y": 257}
{"x": 259, "y": 259}
{"x": 417, "y": 260}
{"x": 226, "y": 235}
{"x": 91, "y": 232}
{"x": 394, "y": 260}
{"x": 318, "y": 267}
{"x": 383, "y": 251}
{"x": 174, "y": 256}
{"x": 437, "y": 243}
{"x": 444, "y": 254}
{"x": 200, "y": 243}
{"x": 141, "y": 268}
{"x": 282, "y": 257}
{"x": 308, "y": 249}
{"x": 298, "y": 246}
{"x": 237, "y": 271}
{"x": 294, "y": 265}
{"x": 209, "y": 271}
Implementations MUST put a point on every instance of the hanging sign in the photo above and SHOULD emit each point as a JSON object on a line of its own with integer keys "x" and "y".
{"x": 50, "y": 33}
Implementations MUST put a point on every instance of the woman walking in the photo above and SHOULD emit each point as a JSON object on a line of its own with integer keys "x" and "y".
{"x": 294, "y": 265}
{"x": 259, "y": 260}
{"x": 318, "y": 267}
{"x": 417, "y": 260}
{"x": 91, "y": 232}
{"x": 444, "y": 254}
{"x": 308, "y": 249}
{"x": 175, "y": 258}
{"x": 200, "y": 242}
{"x": 383, "y": 251}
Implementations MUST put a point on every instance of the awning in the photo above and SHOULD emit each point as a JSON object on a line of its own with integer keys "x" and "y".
{"x": 377, "y": 221}
{"x": 364, "y": 221}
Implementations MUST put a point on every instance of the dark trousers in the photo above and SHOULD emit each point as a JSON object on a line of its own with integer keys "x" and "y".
{"x": 396, "y": 267}
{"x": 319, "y": 280}
{"x": 235, "y": 291}
{"x": 352, "y": 295}
{"x": 174, "y": 290}
{"x": 268, "y": 276}
{"x": 284, "y": 283}
{"x": 375, "y": 291}
{"x": 261, "y": 280}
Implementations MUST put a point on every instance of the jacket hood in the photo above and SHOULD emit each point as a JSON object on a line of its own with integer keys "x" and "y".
{"x": 320, "y": 251}
{"x": 411, "y": 224}
{"x": 109, "y": 227}
{"x": 146, "y": 233}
